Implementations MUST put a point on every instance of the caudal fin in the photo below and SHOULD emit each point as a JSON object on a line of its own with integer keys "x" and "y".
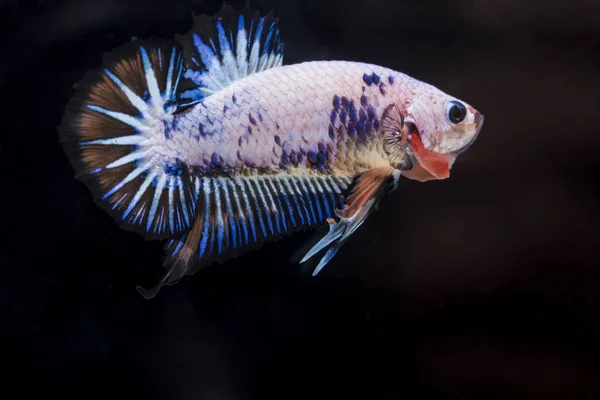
{"x": 114, "y": 132}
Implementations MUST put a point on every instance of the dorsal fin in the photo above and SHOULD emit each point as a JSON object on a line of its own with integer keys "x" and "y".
{"x": 226, "y": 47}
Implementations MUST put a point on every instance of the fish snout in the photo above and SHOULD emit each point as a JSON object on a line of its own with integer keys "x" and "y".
{"x": 478, "y": 120}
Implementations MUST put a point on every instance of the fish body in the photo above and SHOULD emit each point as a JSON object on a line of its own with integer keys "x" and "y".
{"x": 312, "y": 117}
{"x": 211, "y": 142}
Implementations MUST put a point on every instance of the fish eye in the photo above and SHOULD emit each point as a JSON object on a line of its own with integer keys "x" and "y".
{"x": 456, "y": 112}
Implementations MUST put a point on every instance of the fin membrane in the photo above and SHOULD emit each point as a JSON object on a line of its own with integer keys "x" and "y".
{"x": 113, "y": 130}
{"x": 238, "y": 214}
{"x": 369, "y": 188}
{"x": 229, "y": 46}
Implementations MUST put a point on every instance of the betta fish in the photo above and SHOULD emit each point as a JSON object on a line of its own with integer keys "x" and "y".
{"x": 210, "y": 142}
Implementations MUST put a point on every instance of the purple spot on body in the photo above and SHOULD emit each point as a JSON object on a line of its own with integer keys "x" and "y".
{"x": 369, "y": 127}
{"x": 285, "y": 159}
{"x": 239, "y": 156}
{"x": 368, "y": 79}
{"x": 364, "y": 101}
{"x": 346, "y": 102}
{"x": 322, "y": 147}
{"x": 331, "y": 132}
{"x": 391, "y": 80}
{"x": 376, "y": 125}
{"x": 382, "y": 88}
{"x": 336, "y": 102}
{"x": 225, "y": 108}
{"x": 312, "y": 157}
{"x": 215, "y": 159}
{"x": 277, "y": 125}
{"x": 362, "y": 115}
{"x": 351, "y": 130}
{"x": 360, "y": 127}
{"x": 333, "y": 116}
{"x": 260, "y": 117}
{"x": 240, "y": 141}
{"x": 372, "y": 113}
{"x": 322, "y": 158}
{"x": 300, "y": 157}
{"x": 287, "y": 148}
{"x": 251, "y": 118}
{"x": 234, "y": 98}
{"x": 376, "y": 78}
{"x": 364, "y": 89}
{"x": 202, "y": 130}
{"x": 278, "y": 140}
{"x": 294, "y": 158}
{"x": 343, "y": 116}
{"x": 250, "y": 130}
{"x": 353, "y": 114}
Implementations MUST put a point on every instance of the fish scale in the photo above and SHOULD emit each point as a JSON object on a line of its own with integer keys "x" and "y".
{"x": 211, "y": 142}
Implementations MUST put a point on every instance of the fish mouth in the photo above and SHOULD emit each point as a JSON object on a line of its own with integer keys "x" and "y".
{"x": 478, "y": 125}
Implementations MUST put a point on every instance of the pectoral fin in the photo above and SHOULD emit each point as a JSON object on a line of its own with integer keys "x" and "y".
{"x": 368, "y": 189}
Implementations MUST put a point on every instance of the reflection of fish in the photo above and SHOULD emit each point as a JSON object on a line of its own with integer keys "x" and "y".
{"x": 210, "y": 142}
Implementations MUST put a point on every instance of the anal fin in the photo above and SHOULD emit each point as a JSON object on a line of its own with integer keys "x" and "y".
{"x": 369, "y": 188}
{"x": 237, "y": 214}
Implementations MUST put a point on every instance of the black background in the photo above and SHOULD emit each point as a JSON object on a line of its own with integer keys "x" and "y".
{"x": 486, "y": 285}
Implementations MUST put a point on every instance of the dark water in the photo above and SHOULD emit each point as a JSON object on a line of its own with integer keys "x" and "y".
{"x": 486, "y": 285}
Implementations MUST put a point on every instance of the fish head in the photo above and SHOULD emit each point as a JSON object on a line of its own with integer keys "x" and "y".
{"x": 439, "y": 128}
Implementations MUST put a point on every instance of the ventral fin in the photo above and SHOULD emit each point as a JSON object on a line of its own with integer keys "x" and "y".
{"x": 368, "y": 189}
{"x": 238, "y": 214}
{"x": 113, "y": 130}
{"x": 226, "y": 47}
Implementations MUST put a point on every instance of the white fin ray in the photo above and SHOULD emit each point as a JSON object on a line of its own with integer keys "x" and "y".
{"x": 131, "y": 157}
{"x": 155, "y": 96}
{"x": 135, "y": 100}
{"x": 125, "y": 118}
{"x": 118, "y": 141}
{"x": 157, "y": 194}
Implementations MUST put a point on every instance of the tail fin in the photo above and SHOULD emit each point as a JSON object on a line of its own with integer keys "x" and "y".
{"x": 114, "y": 130}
